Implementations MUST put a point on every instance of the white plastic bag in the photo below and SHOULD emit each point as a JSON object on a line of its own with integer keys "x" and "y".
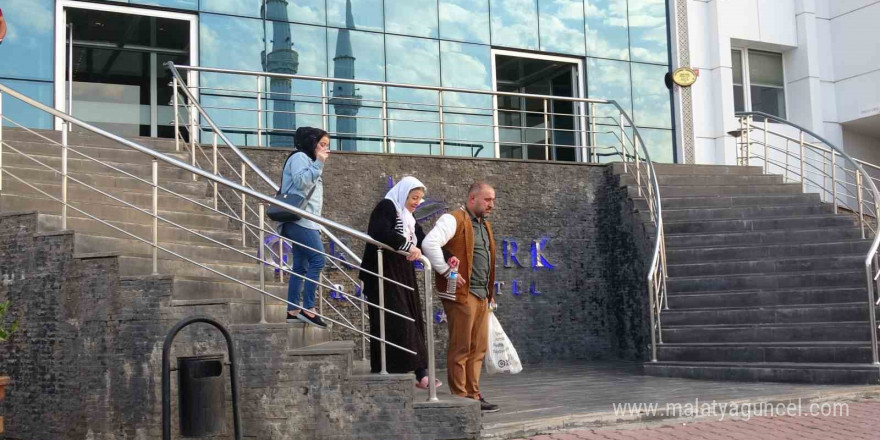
{"x": 501, "y": 357}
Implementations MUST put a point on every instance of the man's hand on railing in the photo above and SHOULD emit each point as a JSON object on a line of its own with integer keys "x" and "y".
{"x": 414, "y": 254}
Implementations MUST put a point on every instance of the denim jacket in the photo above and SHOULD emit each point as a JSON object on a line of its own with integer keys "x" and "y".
{"x": 300, "y": 174}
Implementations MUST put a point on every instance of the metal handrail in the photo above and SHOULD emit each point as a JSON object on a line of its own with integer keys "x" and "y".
{"x": 68, "y": 119}
{"x": 871, "y": 258}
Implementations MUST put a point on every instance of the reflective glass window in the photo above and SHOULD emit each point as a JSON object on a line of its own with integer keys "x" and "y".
{"x": 607, "y": 29}
{"x": 180, "y": 4}
{"x": 365, "y": 14}
{"x": 515, "y": 23}
{"x": 299, "y": 11}
{"x": 766, "y": 83}
{"x": 468, "y": 135}
{"x": 647, "y": 29}
{"x": 659, "y": 144}
{"x": 651, "y": 106}
{"x": 355, "y": 109}
{"x": 413, "y": 113}
{"x": 465, "y": 20}
{"x": 412, "y": 60}
{"x": 562, "y": 26}
{"x": 739, "y": 101}
{"x": 23, "y": 113}
{"x": 29, "y": 39}
{"x": 411, "y": 17}
{"x": 608, "y": 79}
{"x": 466, "y": 66}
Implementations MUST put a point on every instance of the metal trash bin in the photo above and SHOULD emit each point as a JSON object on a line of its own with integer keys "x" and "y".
{"x": 202, "y": 397}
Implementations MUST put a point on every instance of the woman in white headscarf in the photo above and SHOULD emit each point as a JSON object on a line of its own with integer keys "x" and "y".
{"x": 392, "y": 223}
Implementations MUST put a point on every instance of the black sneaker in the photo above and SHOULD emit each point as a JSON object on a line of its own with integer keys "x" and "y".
{"x": 293, "y": 318}
{"x": 487, "y": 407}
{"x": 315, "y": 320}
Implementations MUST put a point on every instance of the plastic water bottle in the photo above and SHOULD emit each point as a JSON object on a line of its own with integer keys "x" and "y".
{"x": 451, "y": 283}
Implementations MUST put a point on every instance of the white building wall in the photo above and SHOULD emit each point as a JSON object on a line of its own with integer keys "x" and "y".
{"x": 831, "y": 60}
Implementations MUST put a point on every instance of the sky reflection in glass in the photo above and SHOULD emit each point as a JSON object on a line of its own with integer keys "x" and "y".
{"x": 647, "y": 29}
{"x": 465, "y": 20}
{"x": 607, "y": 29}
{"x": 411, "y": 17}
{"x": 515, "y": 23}
{"x": 29, "y": 39}
{"x": 562, "y": 26}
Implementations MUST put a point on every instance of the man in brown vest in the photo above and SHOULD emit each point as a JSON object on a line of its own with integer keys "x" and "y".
{"x": 463, "y": 238}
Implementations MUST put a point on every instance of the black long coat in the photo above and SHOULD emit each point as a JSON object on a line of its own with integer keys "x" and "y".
{"x": 406, "y": 302}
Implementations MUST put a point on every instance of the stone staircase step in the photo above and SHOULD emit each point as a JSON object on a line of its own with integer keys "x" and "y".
{"x": 167, "y": 233}
{"x": 727, "y": 201}
{"x": 765, "y": 265}
{"x": 87, "y": 243}
{"x": 794, "y": 352}
{"x": 299, "y": 334}
{"x": 142, "y": 198}
{"x": 78, "y": 137}
{"x": 133, "y": 265}
{"x": 706, "y": 170}
{"x": 792, "y": 332}
{"x": 119, "y": 154}
{"x": 757, "y": 224}
{"x": 863, "y": 374}
{"x": 768, "y": 237}
{"x": 726, "y": 253}
{"x": 700, "y": 180}
{"x": 105, "y": 182}
{"x": 784, "y": 314}
{"x": 714, "y": 283}
{"x": 746, "y": 212}
{"x": 244, "y": 311}
{"x": 722, "y": 190}
{"x": 110, "y": 212}
{"x": 77, "y": 163}
{"x": 212, "y": 288}
{"x": 756, "y": 298}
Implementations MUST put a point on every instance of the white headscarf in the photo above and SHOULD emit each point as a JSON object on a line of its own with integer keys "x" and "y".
{"x": 398, "y": 195}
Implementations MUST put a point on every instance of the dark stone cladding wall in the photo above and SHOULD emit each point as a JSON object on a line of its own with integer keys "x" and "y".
{"x": 588, "y": 304}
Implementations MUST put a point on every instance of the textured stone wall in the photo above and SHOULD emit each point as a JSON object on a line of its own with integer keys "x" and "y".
{"x": 581, "y": 309}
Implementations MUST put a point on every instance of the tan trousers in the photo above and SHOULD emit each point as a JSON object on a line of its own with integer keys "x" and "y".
{"x": 468, "y": 341}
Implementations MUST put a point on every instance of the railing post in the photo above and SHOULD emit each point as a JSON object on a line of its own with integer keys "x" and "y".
{"x": 651, "y": 289}
{"x": 766, "y": 150}
{"x": 155, "y": 169}
{"x": 803, "y": 151}
{"x": 429, "y": 317}
{"x": 259, "y": 111}
{"x": 262, "y": 255}
{"x": 384, "y": 119}
{"x": 216, "y": 169}
{"x": 325, "y": 111}
{"x": 64, "y": 153}
{"x": 872, "y": 315}
{"x": 442, "y": 127}
{"x": 834, "y": 181}
{"x": 860, "y": 201}
{"x": 321, "y": 299}
{"x": 593, "y": 135}
{"x": 243, "y": 207}
{"x": 191, "y": 113}
{"x": 546, "y": 132}
{"x": 174, "y": 99}
{"x": 281, "y": 258}
{"x": 748, "y": 158}
{"x": 364, "y": 312}
{"x": 786, "y": 160}
{"x": 622, "y": 140}
{"x": 638, "y": 163}
{"x": 382, "y": 311}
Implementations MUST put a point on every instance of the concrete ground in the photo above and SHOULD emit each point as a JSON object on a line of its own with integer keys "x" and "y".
{"x": 597, "y": 396}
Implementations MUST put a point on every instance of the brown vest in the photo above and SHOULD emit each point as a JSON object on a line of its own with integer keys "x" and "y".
{"x": 461, "y": 245}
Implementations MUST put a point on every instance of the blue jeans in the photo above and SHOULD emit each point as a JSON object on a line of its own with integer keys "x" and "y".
{"x": 305, "y": 262}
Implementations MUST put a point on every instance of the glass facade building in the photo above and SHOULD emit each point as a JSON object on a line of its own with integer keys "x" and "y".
{"x": 618, "y": 49}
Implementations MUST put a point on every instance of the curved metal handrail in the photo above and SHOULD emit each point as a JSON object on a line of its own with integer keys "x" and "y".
{"x": 872, "y": 255}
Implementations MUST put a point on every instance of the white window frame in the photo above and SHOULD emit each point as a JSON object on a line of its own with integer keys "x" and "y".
{"x": 61, "y": 48}
{"x": 747, "y": 81}
{"x": 580, "y": 121}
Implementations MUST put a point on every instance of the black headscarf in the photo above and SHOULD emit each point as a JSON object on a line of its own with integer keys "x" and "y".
{"x": 306, "y": 140}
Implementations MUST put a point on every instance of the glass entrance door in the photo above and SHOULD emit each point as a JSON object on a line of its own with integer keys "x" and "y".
{"x": 116, "y": 63}
{"x": 531, "y": 128}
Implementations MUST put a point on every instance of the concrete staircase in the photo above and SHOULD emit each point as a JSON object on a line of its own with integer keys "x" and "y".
{"x": 765, "y": 282}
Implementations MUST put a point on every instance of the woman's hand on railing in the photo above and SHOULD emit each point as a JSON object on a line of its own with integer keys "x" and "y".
{"x": 414, "y": 254}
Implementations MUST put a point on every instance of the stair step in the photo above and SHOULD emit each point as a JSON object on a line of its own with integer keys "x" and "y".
{"x": 755, "y": 298}
{"x": 116, "y": 154}
{"x": 700, "y": 180}
{"x": 76, "y": 163}
{"x": 133, "y": 265}
{"x": 706, "y": 170}
{"x": 105, "y": 182}
{"x": 757, "y": 224}
{"x": 728, "y": 201}
{"x": 791, "y": 332}
{"x": 784, "y": 314}
{"x": 746, "y": 212}
{"x": 79, "y": 137}
{"x": 854, "y": 278}
{"x": 727, "y": 253}
{"x": 722, "y": 190}
{"x": 111, "y": 212}
{"x": 865, "y": 374}
{"x": 766, "y": 265}
{"x": 86, "y": 243}
{"x": 807, "y": 352}
{"x": 212, "y": 288}
{"x": 298, "y": 334}
{"x": 240, "y": 311}
{"x": 48, "y": 222}
{"x": 768, "y": 237}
